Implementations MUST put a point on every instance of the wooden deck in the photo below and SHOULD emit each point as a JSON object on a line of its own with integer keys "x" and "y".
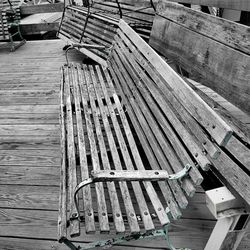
{"x": 30, "y": 157}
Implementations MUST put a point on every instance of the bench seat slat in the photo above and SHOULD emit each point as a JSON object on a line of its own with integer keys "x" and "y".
{"x": 74, "y": 224}
{"x": 117, "y": 215}
{"x": 102, "y": 209}
{"x": 84, "y": 10}
{"x": 148, "y": 186}
{"x": 62, "y": 216}
{"x": 117, "y": 163}
{"x": 145, "y": 214}
{"x": 87, "y": 199}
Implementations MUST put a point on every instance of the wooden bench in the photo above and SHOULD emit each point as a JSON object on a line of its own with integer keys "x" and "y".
{"x": 125, "y": 129}
{"x": 80, "y": 27}
{"x": 216, "y": 53}
{"x": 139, "y": 17}
{"x": 92, "y": 29}
{"x": 9, "y": 23}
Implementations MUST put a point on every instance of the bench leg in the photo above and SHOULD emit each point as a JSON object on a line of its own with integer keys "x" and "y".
{"x": 232, "y": 219}
{"x": 228, "y": 233}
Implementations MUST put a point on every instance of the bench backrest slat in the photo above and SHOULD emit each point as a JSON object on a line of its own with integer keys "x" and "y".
{"x": 168, "y": 116}
{"x": 99, "y": 30}
{"x": 171, "y": 82}
{"x": 124, "y": 65}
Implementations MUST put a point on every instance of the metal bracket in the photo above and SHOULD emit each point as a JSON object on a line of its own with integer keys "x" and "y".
{"x": 126, "y": 175}
{"x": 120, "y": 239}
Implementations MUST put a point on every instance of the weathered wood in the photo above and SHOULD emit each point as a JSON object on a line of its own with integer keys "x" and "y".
{"x": 29, "y": 142}
{"x": 196, "y": 106}
{"x": 30, "y": 158}
{"x": 34, "y": 28}
{"x": 72, "y": 182}
{"x": 36, "y": 227}
{"x": 130, "y": 175}
{"x": 89, "y": 214}
{"x": 172, "y": 137}
{"x": 36, "y": 130}
{"x": 116, "y": 209}
{"x": 165, "y": 153}
{"x": 29, "y": 175}
{"x": 227, "y": 4}
{"x": 181, "y": 199}
{"x": 239, "y": 151}
{"x": 29, "y": 197}
{"x": 102, "y": 209}
{"x": 238, "y": 124}
{"x": 187, "y": 137}
{"x": 44, "y": 222}
{"x": 208, "y": 57}
{"x": 28, "y": 118}
{"x": 98, "y": 30}
{"x": 227, "y": 32}
{"x": 43, "y": 8}
{"x": 138, "y": 192}
{"x": 62, "y": 213}
{"x": 125, "y": 192}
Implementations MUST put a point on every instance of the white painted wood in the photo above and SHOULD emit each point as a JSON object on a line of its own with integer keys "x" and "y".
{"x": 219, "y": 233}
{"x": 220, "y": 199}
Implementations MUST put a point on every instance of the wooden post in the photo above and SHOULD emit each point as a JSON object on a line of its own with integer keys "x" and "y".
{"x": 232, "y": 219}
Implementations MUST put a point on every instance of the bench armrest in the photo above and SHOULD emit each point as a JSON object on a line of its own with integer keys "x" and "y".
{"x": 126, "y": 175}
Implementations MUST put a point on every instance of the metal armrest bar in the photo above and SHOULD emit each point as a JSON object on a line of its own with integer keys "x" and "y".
{"x": 126, "y": 175}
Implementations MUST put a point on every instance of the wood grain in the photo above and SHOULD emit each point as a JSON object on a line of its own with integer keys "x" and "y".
{"x": 36, "y": 228}
{"x": 28, "y": 175}
{"x": 206, "y": 57}
{"x": 30, "y": 157}
{"x": 227, "y": 4}
{"x": 227, "y": 32}
{"x": 29, "y": 142}
{"x": 41, "y": 224}
{"x": 27, "y": 197}
{"x": 29, "y": 130}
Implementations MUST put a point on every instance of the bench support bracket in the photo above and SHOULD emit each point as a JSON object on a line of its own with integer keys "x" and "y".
{"x": 121, "y": 239}
{"x": 232, "y": 220}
